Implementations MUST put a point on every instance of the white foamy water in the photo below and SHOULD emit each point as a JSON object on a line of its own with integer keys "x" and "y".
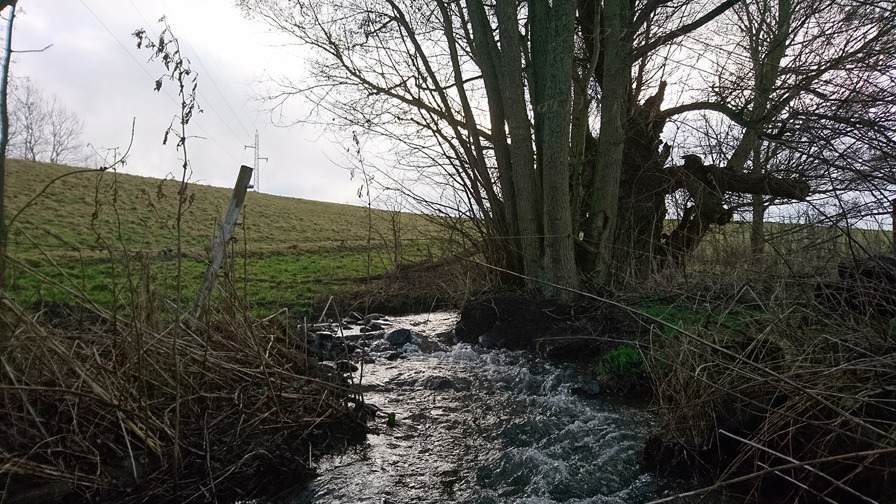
{"x": 477, "y": 426}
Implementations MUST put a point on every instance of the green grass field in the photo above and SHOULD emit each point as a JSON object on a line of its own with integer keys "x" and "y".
{"x": 100, "y": 233}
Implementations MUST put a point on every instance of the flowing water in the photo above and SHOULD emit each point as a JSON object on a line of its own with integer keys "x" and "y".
{"x": 479, "y": 426}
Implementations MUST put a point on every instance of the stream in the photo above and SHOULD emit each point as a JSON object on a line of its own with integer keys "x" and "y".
{"x": 483, "y": 426}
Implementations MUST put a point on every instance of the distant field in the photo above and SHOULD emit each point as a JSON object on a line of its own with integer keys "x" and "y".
{"x": 791, "y": 251}
{"x": 86, "y": 231}
{"x": 102, "y": 235}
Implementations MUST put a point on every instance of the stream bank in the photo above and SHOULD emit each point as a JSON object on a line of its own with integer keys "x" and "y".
{"x": 537, "y": 368}
{"x": 457, "y": 422}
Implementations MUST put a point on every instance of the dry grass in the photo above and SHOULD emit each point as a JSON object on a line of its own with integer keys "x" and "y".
{"x": 169, "y": 414}
{"x": 77, "y": 215}
{"x": 791, "y": 251}
{"x": 772, "y": 385}
{"x": 789, "y": 403}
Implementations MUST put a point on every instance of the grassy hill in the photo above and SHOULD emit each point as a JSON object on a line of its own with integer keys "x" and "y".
{"x": 144, "y": 209}
{"x": 84, "y": 233}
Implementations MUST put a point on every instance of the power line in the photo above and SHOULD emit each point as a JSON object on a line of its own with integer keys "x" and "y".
{"x": 214, "y": 84}
{"x": 223, "y": 96}
{"x": 125, "y": 49}
{"x": 148, "y": 25}
{"x": 147, "y": 72}
{"x": 208, "y": 77}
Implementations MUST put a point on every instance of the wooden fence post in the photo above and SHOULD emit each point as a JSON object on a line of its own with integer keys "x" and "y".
{"x": 220, "y": 244}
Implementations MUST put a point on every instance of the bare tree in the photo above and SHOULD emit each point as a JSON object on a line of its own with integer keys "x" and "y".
{"x": 64, "y": 132}
{"x": 4, "y": 137}
{"x": 28, "y": 121}
{"x": 543, "y": 121}
{"x": 806, "y": 88}
{"x": 42, "y": 128}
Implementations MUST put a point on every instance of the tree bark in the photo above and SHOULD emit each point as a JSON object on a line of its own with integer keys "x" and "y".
{"x": 552, "y": 30}
{"x": 600, "y": 224}
{"x": 692, "y": 175}
{"x": 643, "y": 189}
{"x": 522, "y": 154}
{"x": 4, "y": 140}
{"x": 757, "y": 230}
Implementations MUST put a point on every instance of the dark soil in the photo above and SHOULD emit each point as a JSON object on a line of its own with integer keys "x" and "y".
{"x": 412, "y": 288}
{"x": 520, "y": 321}
{"x": 66, "y": 317}
{"x": 578, "y": 332}
{"x": 257, "y": 468}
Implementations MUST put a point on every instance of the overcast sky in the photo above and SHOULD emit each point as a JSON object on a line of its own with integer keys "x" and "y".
{"x": 95, "y": 69}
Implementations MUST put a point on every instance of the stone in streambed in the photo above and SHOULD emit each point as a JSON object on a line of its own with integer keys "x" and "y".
{"x": 398, "y": 337}
{"x": 372, "y": 327}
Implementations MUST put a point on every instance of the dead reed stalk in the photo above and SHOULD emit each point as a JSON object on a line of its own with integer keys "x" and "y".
{"x": 788, "y": 401}
{"x": 91, "y": 414}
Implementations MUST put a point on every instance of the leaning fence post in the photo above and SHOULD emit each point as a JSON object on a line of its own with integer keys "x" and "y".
{"x": 217, "y": 255}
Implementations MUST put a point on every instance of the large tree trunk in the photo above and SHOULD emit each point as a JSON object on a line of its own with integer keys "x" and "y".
{"x": 600, "y": 224}
{"x": 643, "y": 189}
{"x": 525, "y": 181}
{"x": 535, "y": 174}
{"x": 552, "y": 29}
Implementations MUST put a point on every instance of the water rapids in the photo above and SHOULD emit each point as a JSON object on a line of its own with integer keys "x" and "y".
{"x": 479, "y": 426}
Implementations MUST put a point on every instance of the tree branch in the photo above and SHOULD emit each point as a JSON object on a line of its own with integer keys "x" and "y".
{"x": 644, "y": 50}
{"x": 649, "y": 8}
{"x": 723, "y": 180}
{"x": 737, "y": 116}
{"x": 22, "y": 51}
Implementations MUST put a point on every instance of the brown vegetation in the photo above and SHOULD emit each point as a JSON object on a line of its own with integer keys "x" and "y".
{"x": 800, "y": 407}
{"x": 106, "y": 413}
{"x": 429, "y": 285}
{"x": 769, "y": 390}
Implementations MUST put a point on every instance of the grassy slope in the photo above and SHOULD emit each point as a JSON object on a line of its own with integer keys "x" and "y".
{"x": 147, "y": 207}
{"x": 92, "y": 223}
{"x": 297, "y": 249}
